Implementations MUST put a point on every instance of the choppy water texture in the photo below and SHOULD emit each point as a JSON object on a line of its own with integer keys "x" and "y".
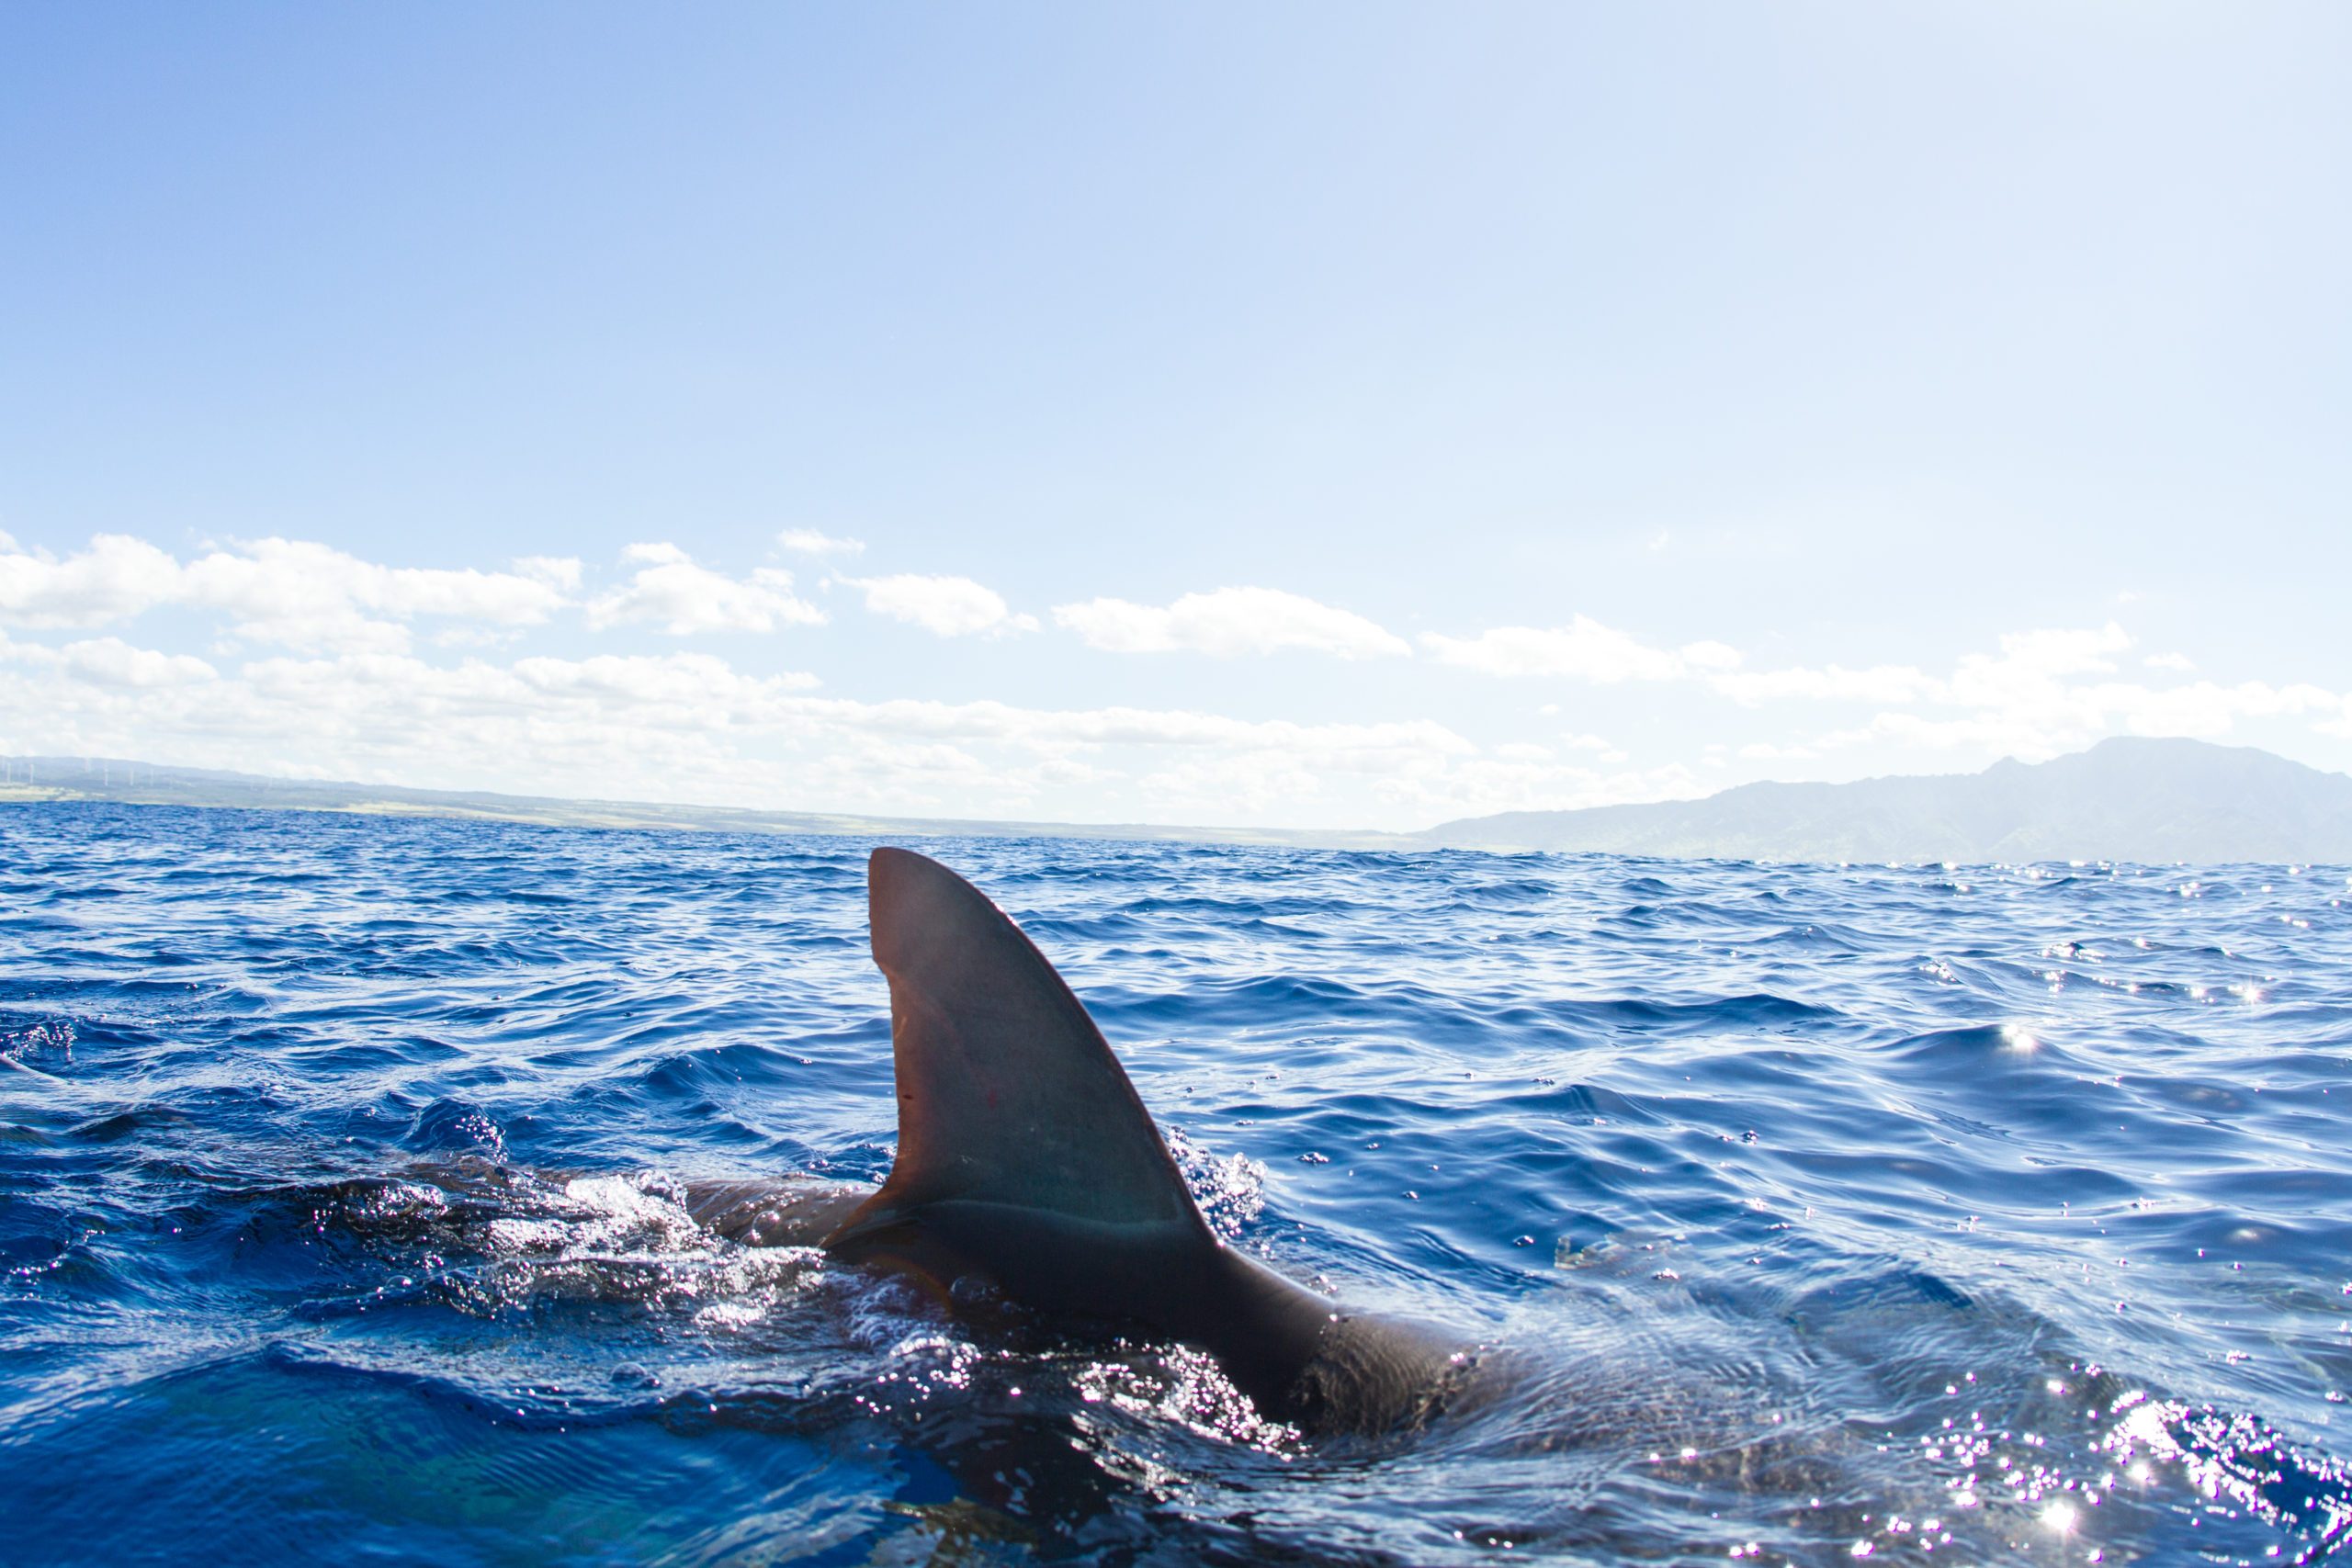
{"x": 1916, "y": 1213}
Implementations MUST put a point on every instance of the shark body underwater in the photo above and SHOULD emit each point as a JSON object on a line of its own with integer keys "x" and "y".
{"x": 1028, "y": 1164}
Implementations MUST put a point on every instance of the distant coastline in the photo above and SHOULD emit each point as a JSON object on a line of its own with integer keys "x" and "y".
{"x": 2124, "y": 799}
{"x": 139, "y": 782}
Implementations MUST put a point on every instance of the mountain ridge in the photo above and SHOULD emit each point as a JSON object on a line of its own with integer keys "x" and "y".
{"x": 2126, "y": 798}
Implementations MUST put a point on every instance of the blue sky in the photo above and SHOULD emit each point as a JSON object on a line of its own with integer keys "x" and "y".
{"x": 1311, "y": 415}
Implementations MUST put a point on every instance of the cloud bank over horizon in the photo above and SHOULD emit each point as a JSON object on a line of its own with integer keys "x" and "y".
{"x": 296, "y": 658}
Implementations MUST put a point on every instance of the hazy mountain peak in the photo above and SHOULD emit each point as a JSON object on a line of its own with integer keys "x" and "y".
{"x": 2129, "y": 797}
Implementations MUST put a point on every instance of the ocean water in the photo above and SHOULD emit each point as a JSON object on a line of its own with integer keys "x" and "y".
{"x": 1914, "y": 1214}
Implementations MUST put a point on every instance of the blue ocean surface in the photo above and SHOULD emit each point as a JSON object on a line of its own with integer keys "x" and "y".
{"x": 1818, "y": 1213}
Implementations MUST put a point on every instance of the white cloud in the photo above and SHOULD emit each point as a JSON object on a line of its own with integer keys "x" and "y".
{"x": 1711, "y": 656}
{"x": 276, "y": 580}
{"x": 2014, "y": 705}
{"x": 2205, "y": 707}
{"x": 1584, "y": 649}
{"x": 809, "y": 542}
{"x": 310, "y": 595}
{"x": 1214, "y": 785}
{"x": 2027, "y": 657}
{"x": 301, "y": 594}
{"x": 1228, "y": 623}
{"x": 693, "y": 727}
{"x": 677, "y": 681}
{"x": 2027, "y": 684}
{"x": 1880, "y": 683}
{"x": 2028, "y": 699}
{"x": 670, "y": 589}
{"x": 944, "y": 607}
{"x": 556, "y": 572}
{"x": 340, "y": 693}
{"x": 1482, "y": 785}
{"x": 2040, "y": 693}
{"x": 1348, "y": 746}
{"x": 115, "y": 578}
{"x": 110, "y": 661}
{"x": 1768, "y": 752}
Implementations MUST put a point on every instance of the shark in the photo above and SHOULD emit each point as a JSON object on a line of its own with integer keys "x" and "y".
{"x": 1028, "y": 1168}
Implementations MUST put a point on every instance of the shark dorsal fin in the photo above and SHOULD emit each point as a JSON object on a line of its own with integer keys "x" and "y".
{"x": 1008, "y": 1093}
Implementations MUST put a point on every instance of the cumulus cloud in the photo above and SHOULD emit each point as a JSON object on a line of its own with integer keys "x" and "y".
{"x": 313, "y": 596}
{"x": 534, "y": 700}
{"x": 669, "y": 590}
{"x": 1608, "y": 750}
{"x": 1835, "y": 682}
{"x": 1584, "y": 649}
{"x": 110, "y": 661}
{"x": 1711, "y": 656}
{"x": 1228, "y": 623}
{"x": 2048, "y": 692}
{"x": 2030, "y": 679}
{"x": 1489, "y": 783}
{"x": 326, "y": 683}
{"x": 674, "y": 681}
{"x": 298, "y": 593}
{"x": 1345, "y": 746}
{"x": 114, "y": 579}
{"x": 556, "y": 572}
{"x": 944, "y": 607}
{"x": 2035, "y": 695}
{"x": 694, "y": 726}
{"x": 809, "y": 542}
{"x": 2026, "y": 658}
